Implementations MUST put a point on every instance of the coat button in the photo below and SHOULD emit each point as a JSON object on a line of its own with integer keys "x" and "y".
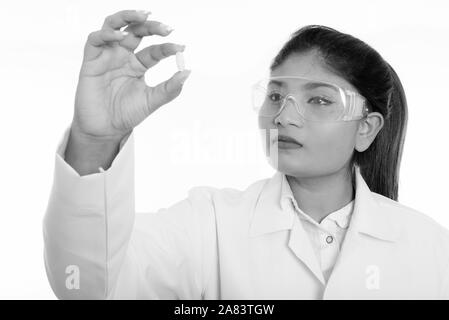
{"x": 329, "y": 239}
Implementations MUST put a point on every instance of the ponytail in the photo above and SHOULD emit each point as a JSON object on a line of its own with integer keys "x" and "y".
{"x": 380, "y": 163}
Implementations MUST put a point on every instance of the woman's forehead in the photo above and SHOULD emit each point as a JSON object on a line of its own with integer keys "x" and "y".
{"x": 309, "y": 65}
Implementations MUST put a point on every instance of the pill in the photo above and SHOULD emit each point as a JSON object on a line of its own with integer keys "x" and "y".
{"x": 180, "y": 61}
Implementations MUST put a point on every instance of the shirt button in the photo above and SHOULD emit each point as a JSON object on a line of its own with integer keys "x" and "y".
{"x": 329, "y": 239}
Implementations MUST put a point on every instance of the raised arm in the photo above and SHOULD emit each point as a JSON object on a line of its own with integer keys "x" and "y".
{"x": 90, "y": 218}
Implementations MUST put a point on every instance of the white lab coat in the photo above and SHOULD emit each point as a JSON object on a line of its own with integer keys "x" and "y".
{"x": 228, "y": 244}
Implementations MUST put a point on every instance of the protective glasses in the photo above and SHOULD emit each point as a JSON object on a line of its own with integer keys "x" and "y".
{"x": 314, "y": 100}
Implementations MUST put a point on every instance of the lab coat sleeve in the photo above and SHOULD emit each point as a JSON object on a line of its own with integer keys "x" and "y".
{"x": 443, "y": 244}
{"x": 445, "y": 286}
{"x": 97, "y": 247}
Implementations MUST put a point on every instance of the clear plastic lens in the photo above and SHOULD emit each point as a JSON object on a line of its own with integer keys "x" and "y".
{"x": 314, "y": 100}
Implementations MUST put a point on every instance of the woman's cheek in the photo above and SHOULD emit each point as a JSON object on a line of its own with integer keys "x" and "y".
{"x": 332, "y": 150}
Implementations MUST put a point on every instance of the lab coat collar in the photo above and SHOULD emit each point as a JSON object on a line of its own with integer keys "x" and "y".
{"x": 368, "y": 215}
{"x": 268, "y": 215}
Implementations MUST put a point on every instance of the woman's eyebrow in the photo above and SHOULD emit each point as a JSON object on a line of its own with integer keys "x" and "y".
{"x": 276, "y": 82}
{"x": 307, "y": 86}
{"x": 313, "y": 85}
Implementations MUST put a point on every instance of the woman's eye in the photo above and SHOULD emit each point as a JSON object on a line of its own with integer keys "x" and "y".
{"x": 320, "y": 101}
{"x": 274, "y": 97}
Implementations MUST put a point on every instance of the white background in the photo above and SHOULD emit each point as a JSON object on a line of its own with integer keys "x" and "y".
{"x": 229, "y": 46}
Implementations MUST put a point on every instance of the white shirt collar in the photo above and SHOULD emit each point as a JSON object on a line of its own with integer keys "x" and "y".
{"x": 341, "y": 216}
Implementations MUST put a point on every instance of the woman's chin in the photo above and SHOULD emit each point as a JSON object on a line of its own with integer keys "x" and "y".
{"x": 285, "y": 163}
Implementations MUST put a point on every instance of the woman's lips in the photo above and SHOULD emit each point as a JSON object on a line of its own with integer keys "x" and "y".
{"x": 285, "y": 138}
{"x": 287, "y": 144}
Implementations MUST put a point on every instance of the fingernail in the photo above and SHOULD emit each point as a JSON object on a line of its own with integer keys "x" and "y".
{"x": 167, "y": 28}
{"x": 124, "y": 33}
{"x": 182, "y": 47}
{"x": 145, "y": 12}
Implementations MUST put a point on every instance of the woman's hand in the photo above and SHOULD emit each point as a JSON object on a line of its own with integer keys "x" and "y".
{"x": 112, "y": 97}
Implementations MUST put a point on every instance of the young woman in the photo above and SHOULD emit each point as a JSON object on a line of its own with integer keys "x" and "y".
{"x": 326, "y": 225}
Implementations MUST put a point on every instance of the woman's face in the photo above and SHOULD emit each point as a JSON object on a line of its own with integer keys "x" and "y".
{"x": 327, "y": 147}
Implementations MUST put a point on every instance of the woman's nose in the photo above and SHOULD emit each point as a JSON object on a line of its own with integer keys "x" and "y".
{"x": 289, "y": 113}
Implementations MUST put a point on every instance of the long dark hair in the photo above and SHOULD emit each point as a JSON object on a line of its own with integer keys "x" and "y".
{"x": 363, "y": 67}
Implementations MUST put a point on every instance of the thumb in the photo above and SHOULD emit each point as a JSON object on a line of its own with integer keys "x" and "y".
{"x": 166, "y": 91}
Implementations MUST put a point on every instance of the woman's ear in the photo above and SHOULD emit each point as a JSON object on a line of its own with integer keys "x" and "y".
{"x": 368, "y": 129}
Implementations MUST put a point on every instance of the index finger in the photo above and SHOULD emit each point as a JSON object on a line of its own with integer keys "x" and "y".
{"x": 123, "y": 18}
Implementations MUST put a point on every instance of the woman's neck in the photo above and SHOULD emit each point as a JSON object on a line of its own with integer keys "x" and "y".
{"x": 320, "y": 196}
